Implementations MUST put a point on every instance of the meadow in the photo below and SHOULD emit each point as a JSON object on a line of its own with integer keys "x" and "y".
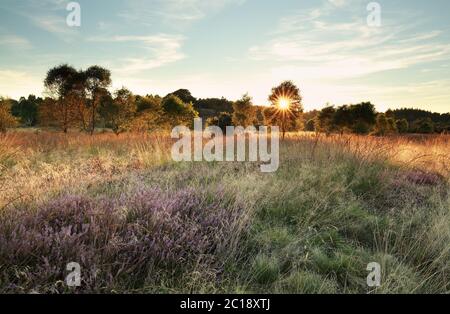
{"x": 138, "y": 222}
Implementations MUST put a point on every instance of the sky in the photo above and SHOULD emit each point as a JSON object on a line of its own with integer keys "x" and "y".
{"x": 228, "y": 48}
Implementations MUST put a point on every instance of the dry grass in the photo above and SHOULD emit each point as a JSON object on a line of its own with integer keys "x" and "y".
{"x": 424, "y": 152}
{"x": 335, "y": 204}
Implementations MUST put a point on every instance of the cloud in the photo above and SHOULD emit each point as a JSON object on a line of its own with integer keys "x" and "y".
{"x": 53, "y": 24}
{"x": 159, "y": 50}
{"x": 48, "y": 15}
{"x": 338, "y": 3}
{"x": 314, "y": 46}
{"x": 15, "y": 42}
{"x": 174, "y": 12}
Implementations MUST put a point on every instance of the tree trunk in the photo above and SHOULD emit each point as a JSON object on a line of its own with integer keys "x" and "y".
{"x": 93, "y": 116}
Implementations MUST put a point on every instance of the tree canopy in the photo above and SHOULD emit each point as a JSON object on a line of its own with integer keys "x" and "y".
{"x": 286, "y": 107}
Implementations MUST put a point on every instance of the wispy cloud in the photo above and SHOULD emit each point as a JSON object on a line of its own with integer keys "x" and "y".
{"x": 14, "y": 41}
{"x": 159, "y": 50}
{"x": 172, "y": 12}
{"x": 311, "y": 45}
{"x": 47, "y": 15}
{"x": 55, "y": 24}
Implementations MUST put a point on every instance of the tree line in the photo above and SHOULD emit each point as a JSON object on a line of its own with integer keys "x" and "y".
{"x": 81, "y": 99}
{"x": 364, "y": 119}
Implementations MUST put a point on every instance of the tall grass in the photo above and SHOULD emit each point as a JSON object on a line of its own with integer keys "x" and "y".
{"x": 138, "y": 222}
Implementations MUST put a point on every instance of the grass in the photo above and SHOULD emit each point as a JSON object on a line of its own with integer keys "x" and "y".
{"x": 138, "y": 222}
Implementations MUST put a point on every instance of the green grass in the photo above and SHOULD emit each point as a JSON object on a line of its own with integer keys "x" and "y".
{"x": 311, "y": 227}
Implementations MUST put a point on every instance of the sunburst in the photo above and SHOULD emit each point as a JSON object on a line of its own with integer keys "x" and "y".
{"x": 283, "y": 103}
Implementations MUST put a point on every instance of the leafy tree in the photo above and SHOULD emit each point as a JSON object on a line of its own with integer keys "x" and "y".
{"x": 310, "y": 125}
{"x": 286, "y": 107}
{"x": 7, "y": 120}
{"x": 212, "y": 107}
{"x": 118, "y": 112}
{"x": 425, "y": 126}
{"x": 310, "y": 118}
{"x": 259, "y": 116}
{"x": 149, "y": 113}
{"x": 384, "y": 125}
{"x": 359, "y": 118}
{"x": 106, "y": 109}
{"x": 361, "y": 127}
{"x": 363, "y": 117}
{"x": 223, "y": 120}
{"x": 402, "y": 126}
{"x": 244, "y": 112}
{"x": 325, "y": 120}
{"x": 343, "y": 119}
{"x": 414, "y": 117}
{"x": 185, "y": 96}
{"x": 148, "y": 102}
{"x": 146, "y": 121}
{"x": 96, "y": 80}
{"x": 26, "y": 109}
{"x": 62, "y": 83}
{"x": 176, "y": 112}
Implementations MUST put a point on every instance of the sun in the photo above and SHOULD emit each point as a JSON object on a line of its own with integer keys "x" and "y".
{"x": 284, "y": 103}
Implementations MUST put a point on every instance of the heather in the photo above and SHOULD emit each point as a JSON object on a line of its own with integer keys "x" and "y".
{"x": 137, "y": 222}
{"x": 150, "y": 237}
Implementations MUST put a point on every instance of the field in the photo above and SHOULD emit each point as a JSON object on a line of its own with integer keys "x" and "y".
{"x": 137, "y": 222}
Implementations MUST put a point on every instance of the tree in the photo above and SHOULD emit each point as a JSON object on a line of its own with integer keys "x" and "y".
{"x": 212, "y": 107}
{"x": 63, "y": 84}
{"x": 413, "y": 115}
{"x": 26, "y": 109}
{"x": 149, "y": 113}
{"x": 223, "y": 120}
{"x": 402, "y": 126}
{"x": 384, "y": 125}
{"x": 7, "y": 120}
{"x": 362, "y": 117}
{"x": 96, "y": 80}
{"x": 325, "y": 120}
{"x": 286, "y": 107}
{"x": 425, "y": 126}
{"x": 310, "y": 125}
{"x": 118, "y": 112}
{"x": 310, "y": 120}
{"x": 259, "y": 116}
{"x": 343, "y": 119}
{"x": 148, "y": 102}
{"x": 176, "y": 112}
{"x": 146, "y": 121}
{"x": 185, "y": 96}
{"x": 244, "y": 113}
